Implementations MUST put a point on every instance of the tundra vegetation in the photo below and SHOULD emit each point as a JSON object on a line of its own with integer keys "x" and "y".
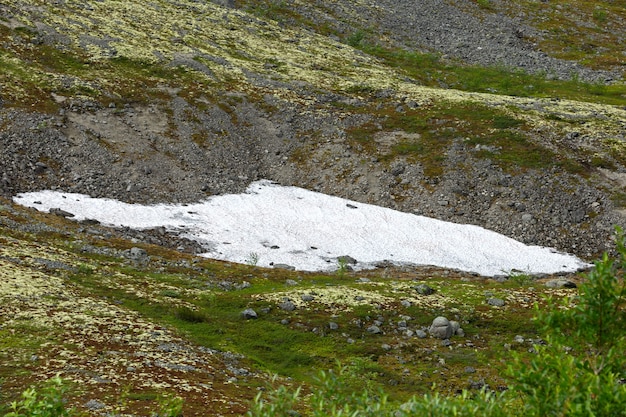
{"x": 574, "y": 366}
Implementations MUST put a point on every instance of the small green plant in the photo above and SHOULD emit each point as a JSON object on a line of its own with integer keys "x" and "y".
{"x": 170, "y": 293}
{"x": 600, "y": 15}
{"x": 85, "y": 269}
{"x": 467, "y": 404}
{"x": 48, "y": 401}
{"x": 355, "y": 40}
{"x": 279, "y": 402}
{"x": 484, "y": 4}
{"x": 520, "y": 279}
{"x": 252, "y": 259}
{"x": 342, "y": 267}
{"x": 169, "y": 406}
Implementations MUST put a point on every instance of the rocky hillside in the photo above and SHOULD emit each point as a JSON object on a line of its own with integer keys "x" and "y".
{"x": 431, "y": 109}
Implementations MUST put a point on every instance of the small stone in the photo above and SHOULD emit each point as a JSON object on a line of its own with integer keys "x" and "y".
{"x": 307, "y": 297}
{"x": 446, "y": 342}
{"x": 470, "y": 370}
{"x": 373, "y": 329}
{"x": 424, "y": 289}
{"x": 287, "y": 306}
{"x": 406, "y": 303}
{"x": 333, "y": 326}
{"x": 94, "y": 405}
{"x": 518, "y": 339}
{"x": 397, "y": 170}
{"x": 386, "y": 347}
{"x": 421, "y": 334}
{"x": 284, "y": 266}
{"x": 560, "y": 283}
{"x": 346, "y": 259}
{"x": 455, "y": 326}
{"x": 138, "y": 253}
{"x": 248, "y": 314}
{"x": 496, "y": 302}
{"x": 61, "y": 213}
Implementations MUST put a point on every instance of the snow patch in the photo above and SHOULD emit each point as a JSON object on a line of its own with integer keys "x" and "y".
{"x": 272, "y": 224}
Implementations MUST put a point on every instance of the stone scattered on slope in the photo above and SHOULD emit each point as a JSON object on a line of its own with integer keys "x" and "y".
{"x": 560, "y": 283}
{"x": 441, "y": 328}
{"x": 496, "y": 302}
{"x": 373, "y": 329}
{"x": 424, "y": 289}
{"x": 346, "y": 260}
{"x": 249, "y": 313}
{"x": 287, "y": 305}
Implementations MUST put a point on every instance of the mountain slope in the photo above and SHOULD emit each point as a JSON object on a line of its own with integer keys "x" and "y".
{"x": 173, "y": 101}
{"x": 505, "y": 114}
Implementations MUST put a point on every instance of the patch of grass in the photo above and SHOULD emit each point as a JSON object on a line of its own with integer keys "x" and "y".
{"x": 356, "y": 38}
{"x": 619, "y": 198}
{"x": 515, "y": 151}
{"x": 567, "y": 34}
{"x": 431, "y": 70}
{"x": 188, "y": 315}
{"x": 503, "y": 121}
{"x": 502, "y": 135}
{"x": 520, "y": 279}
{"x": 485, "y": 4}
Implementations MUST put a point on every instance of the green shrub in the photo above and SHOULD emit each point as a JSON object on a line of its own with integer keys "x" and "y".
{"x": 581, "y": 369}
{"x": 48, "y": 401}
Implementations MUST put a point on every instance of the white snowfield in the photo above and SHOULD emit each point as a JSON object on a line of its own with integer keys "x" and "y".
{"x": 271, "y": 224}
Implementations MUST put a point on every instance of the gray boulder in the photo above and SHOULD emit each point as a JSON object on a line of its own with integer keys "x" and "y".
{"x": 560, "y": 283}
{"x": 496, "y": 302}
{"x": 374, "y": 329}
{"x": 248, "y": 314}
{"x": 287, "y": 305}
{"x": 347, "y": 259}
{"x": 424, "y": 289}
{"x": 441, "y": 328}
{"x": 421, "y": 334}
